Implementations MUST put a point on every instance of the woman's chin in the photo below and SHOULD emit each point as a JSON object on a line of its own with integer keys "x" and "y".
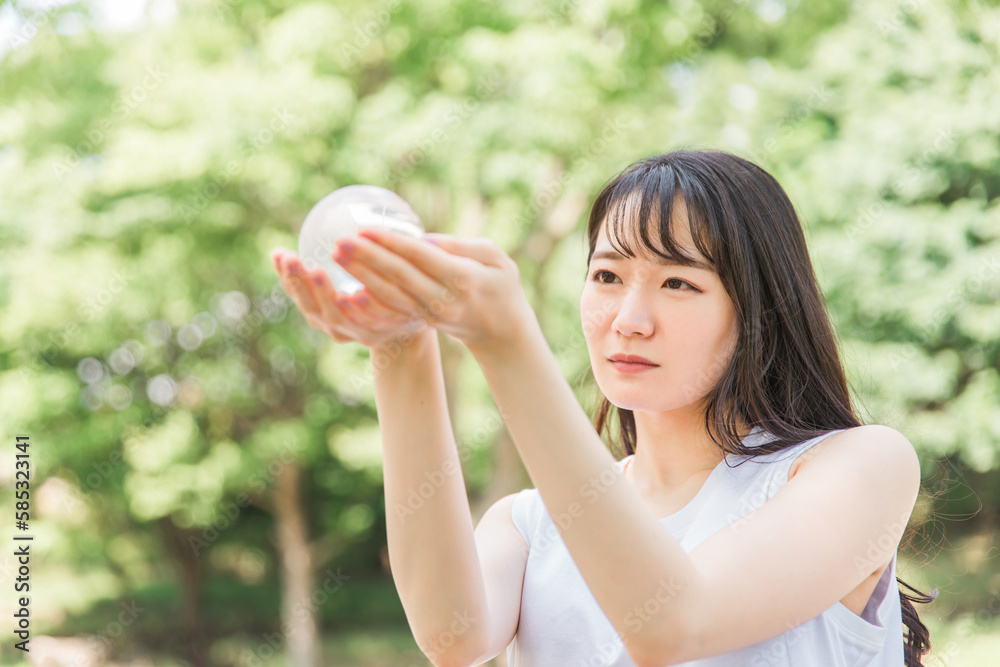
{"x": 641, "y": 401}
{"x": 638, "y": 404}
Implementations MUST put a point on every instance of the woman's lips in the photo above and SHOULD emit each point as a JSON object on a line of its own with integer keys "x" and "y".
{"x": 631, "y": 367}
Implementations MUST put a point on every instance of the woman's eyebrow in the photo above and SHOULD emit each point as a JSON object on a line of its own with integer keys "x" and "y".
{"x": 614, "y": 255}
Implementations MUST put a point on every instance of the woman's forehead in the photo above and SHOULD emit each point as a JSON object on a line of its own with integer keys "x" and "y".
{"x": 627, "y": 227}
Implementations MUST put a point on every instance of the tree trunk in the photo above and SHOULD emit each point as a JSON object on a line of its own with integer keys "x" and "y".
{"x": 191, "y": 568}
{"x": 298, "y": 613}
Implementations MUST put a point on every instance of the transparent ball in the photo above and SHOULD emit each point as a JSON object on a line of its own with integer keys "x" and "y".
{"x": 344, "y": 212}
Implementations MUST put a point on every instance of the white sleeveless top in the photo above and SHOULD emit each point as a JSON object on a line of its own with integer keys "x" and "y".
{"x": 562, "y": 624}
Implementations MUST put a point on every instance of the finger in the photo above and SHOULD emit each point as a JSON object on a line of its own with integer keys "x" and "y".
{"x": 481, "y": 249}
{"x": 434, "y": 261}
{"x": 399, "y": 272}
{"x": 365, "y": 310}
{"x": 337, "y": 313}
{"x": 382, "y": 292}
{"x": 293, "y": 281}
{"x": 342, "y": 310}
{"x": 334, "y": 306}
{"x": 371, "y": 310}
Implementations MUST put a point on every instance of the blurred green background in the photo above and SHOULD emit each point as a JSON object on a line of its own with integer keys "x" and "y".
{"x": 200, "y": 455}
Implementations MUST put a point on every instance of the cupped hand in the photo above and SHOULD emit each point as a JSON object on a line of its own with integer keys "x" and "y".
{"x": 466, "y": 288}
{"x": 361, "y": 317}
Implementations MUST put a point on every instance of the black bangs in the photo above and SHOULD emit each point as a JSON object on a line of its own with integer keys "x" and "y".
{"x": 649, "y": 193}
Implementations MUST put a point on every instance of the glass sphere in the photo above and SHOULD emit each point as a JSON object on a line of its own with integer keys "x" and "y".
{"x": 344, "y": 212}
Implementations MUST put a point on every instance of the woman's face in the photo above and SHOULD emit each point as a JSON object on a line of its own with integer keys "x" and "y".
{"x": 678, "y": 317}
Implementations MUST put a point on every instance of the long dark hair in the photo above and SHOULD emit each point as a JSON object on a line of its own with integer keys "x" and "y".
{"x": 785, "y": 375}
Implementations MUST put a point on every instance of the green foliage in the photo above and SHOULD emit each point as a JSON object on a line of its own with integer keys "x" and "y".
{"x": 147, "y": 347}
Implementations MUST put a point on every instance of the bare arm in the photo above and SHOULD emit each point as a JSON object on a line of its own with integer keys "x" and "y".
{"x": 429, "y": 528}
{"x": 503, "y": 554}
{"x": 429, "y": 525}
{"x": 667, "y": 605}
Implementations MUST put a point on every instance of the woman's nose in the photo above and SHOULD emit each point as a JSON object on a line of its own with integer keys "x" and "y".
{"x": 633, "y": 316}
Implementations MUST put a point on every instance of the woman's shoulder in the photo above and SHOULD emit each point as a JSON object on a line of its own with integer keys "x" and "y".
{"x": 866, "y": 438}
{"x": 872, "y": 434}
{"x": 868, "y": 443}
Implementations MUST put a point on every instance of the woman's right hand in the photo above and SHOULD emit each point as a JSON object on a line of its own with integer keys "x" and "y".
{"x": 360, "y": 317}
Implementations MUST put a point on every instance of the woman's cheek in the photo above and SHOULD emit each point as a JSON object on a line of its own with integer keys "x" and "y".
{"x": 593, "y": 319}
{"x": 694, "y": 361}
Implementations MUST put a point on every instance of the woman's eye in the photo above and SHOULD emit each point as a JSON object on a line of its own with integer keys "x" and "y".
{"x": 597, "y": 275}
{"x": 672, "y": 283}
{"x": 678, "y": 282}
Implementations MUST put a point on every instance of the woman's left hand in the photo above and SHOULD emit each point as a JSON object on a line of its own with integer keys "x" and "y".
{"x": 468, "y": 288}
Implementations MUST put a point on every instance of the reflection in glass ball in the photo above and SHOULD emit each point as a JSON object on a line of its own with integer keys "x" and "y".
{"x": 342, "y": 213}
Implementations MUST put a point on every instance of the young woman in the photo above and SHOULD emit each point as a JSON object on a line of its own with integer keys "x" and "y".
{"x": 754, "y": 519}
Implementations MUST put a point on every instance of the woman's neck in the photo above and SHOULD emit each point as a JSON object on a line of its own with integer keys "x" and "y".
{"x": 672, "y": 449}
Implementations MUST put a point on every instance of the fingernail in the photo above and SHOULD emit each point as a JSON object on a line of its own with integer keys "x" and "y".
{"x": 347, "y": 246}
{"x": 277, "y": 261}
{"x": 318, "y": 280}
{"x": 293, "y": 269}
{"x": 362, "y": 301}
{"x": 341, "y": 258}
